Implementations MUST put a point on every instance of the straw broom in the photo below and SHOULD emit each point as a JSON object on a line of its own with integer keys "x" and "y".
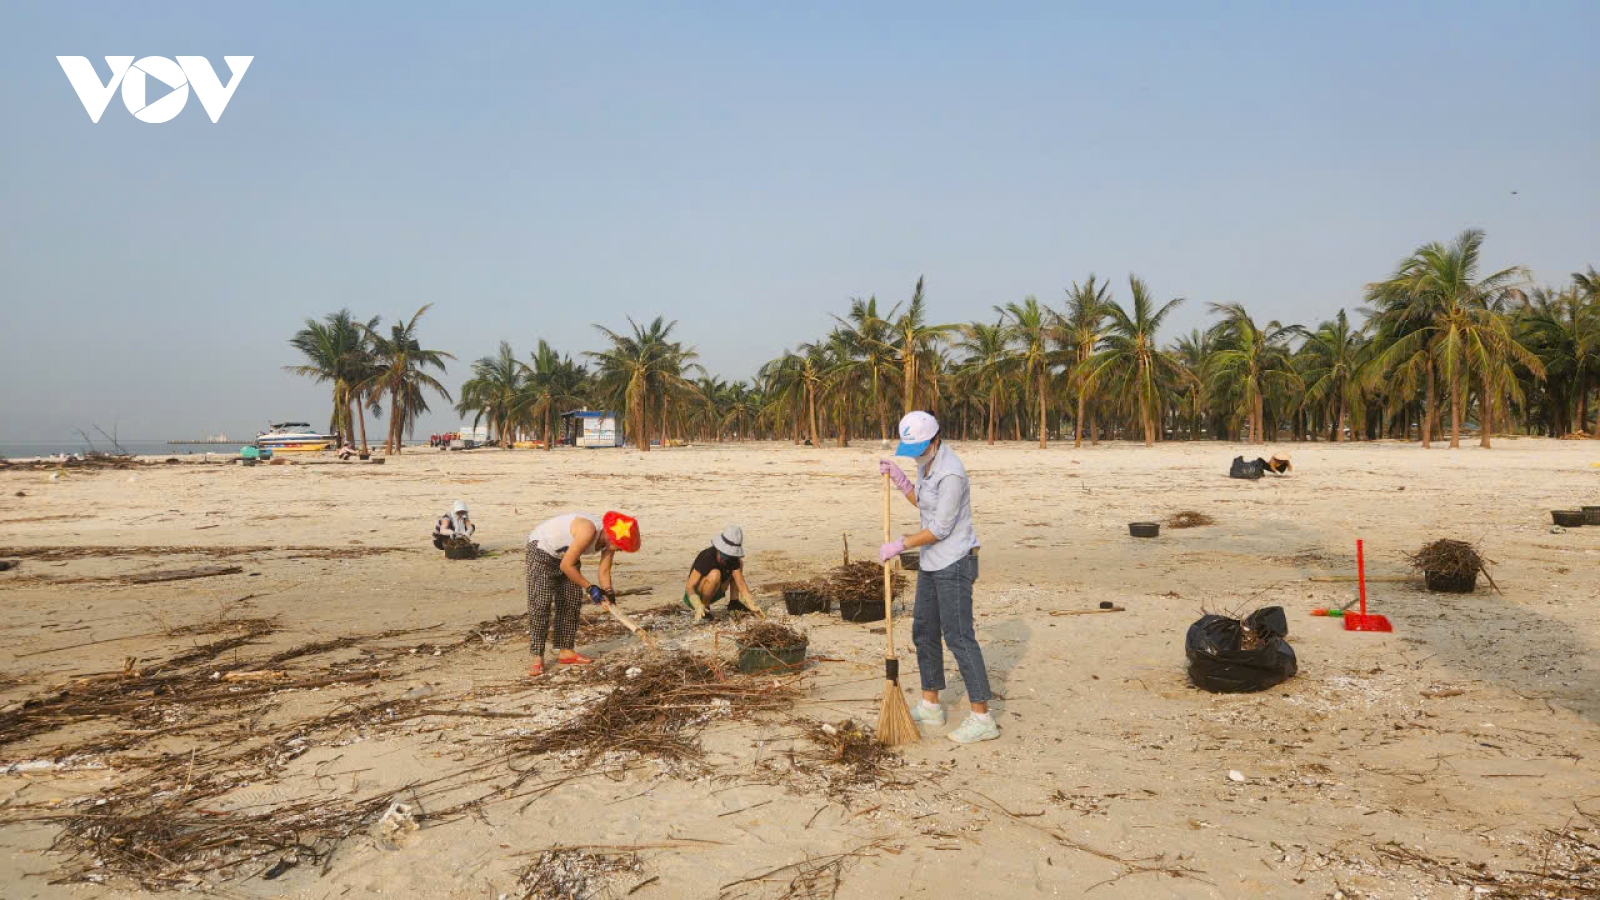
{"x": 895, "y": 725}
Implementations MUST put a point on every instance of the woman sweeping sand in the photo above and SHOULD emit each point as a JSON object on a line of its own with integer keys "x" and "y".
{"x": 945, "y": 575}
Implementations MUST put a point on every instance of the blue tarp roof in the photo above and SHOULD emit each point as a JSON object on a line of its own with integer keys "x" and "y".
{"x": 588, "y": 414}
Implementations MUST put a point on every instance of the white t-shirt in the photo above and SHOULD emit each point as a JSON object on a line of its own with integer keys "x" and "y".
{"x": 554, "y": 536}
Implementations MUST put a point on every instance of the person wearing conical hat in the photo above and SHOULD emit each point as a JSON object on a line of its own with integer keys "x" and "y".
{"x": 946, "y": 571}
{"x": 556, "y": 585}
{"x": 717, "y": 572}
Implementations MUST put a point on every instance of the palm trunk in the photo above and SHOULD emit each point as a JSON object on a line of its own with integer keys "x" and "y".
{"x": 641, "y": 434}
{"x": 363, "y": 416}
{"x": 1485, "y": 414}
{"x": 811, "y": 418}
{"x": 994, "y": 403}
{"x": 1149, "y": 429}
{"x": 1457, "y": 402}
{"x": 1583, "y": 411}
{"x": 549, "y": 427}
{"x": 911, "y": 379}
{"x": 1077, "y": 425}
{"x": 1427, "y": 410}
{"x": 878, "y": 404}
{"x": 396, "y": 415}
{"x": 1043, "y": 434}
{"x": 1258, "y": 425}
{"x": 1338, "y": 428}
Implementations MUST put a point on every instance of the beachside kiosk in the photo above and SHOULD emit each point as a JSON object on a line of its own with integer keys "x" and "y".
{"x": 596, "y": 428}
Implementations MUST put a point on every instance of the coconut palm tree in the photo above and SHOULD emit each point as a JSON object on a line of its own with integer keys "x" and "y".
{"x": 915, "y": 343}
{"x": 553, "y": 382}
{"x": 1586, "y": 317}
{"x": 1253, "y": 361}
{"x": 337, "y": 351}
{"x": 644, "y": 372}
{"x": 705, "y": 414}
{"x": 1082, "y": 328}
{"x": 871, "y": 338}
{"x": 989, "y": 365}
{"x": 843, "y": 381}
{"x": 1197, "y": 353}
{"x": 1131, "y": 363}
{"x": 400, "y": 372}
{"x": 1031, "y": 326}
{"x": 741, "y": 409}
{"x": 1445, "y": 315}
{"x": 1334, "y": 355}
{"x": 791, "y": 383}
{"x": 492, "y": 392}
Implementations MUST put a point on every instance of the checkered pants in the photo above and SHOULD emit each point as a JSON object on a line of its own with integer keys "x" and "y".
{"x": 549, "y": 590}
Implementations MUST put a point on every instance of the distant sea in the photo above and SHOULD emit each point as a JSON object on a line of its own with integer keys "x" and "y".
{"x": 29, "y": 449}
{"x": 26, "y": 449}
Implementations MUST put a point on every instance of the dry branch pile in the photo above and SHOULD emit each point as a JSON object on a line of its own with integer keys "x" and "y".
{"x": 1190, "y": 519}
{"x": 852, "y": 751}
{"x": 59, "y": 554}
{"x": 859, "y": 582}
{"x": 191, "y": 691}
{"x": 563, "y": 873}
{"x": 224, "y": 625}
{"x": 764, "y": 634}
{"x": 163, "y": 840}
{"x": 598, "y": 626}
{"x": 1564, "y": 863}
{"x": 656, "y": 709}
{"x": 1448, "y": 558}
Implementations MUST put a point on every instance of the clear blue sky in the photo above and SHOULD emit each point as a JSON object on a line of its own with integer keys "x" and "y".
{"x": 744, "y": 168}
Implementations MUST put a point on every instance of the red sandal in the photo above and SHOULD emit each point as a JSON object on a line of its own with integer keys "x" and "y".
{"x": 537, "y": 669}
{"x": 577, "y": 659}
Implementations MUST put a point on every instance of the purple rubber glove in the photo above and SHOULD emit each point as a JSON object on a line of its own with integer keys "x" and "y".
{"x": 896, "y": 476}
{"x": 891, "y": 550}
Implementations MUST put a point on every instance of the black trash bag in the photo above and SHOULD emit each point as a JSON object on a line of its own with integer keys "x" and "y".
{"x": 1251, "y": 469}
{"x": 1217, "y": 664}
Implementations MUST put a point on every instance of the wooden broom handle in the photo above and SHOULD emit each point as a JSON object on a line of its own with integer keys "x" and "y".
{"x": 888, "y": 586}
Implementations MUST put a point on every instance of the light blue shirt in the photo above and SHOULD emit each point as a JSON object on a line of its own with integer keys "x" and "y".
{"x": 944, "y": 505}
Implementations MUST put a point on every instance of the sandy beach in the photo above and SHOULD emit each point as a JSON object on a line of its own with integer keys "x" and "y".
{"x": 1452, "y": 754}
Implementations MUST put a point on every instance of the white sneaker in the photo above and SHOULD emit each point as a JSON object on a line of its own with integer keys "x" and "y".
{"x": 974, "y": 730}
{"x": 922, "y": 715}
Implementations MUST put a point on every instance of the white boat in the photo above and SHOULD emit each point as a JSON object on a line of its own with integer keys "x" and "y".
{"x": 288, "y": 437}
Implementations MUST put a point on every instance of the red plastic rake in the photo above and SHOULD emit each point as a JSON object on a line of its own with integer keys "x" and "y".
{"x": 1362, "y": 621}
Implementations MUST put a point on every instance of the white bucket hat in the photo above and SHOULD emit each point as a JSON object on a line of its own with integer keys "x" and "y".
{"x": 460, "y": 509}
{"x": 730, "y": 542}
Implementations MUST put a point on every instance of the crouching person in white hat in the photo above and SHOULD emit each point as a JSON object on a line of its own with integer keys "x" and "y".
{"x": 945, "y": 574}
{"x": 453, "y": 524}
{"x": 718, "y": 572}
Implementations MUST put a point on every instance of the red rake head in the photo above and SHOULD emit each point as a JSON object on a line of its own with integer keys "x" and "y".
{"x": 1358, "y": 622}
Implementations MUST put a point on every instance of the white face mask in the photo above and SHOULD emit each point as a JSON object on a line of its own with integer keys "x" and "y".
{"x": 927, "y": 455}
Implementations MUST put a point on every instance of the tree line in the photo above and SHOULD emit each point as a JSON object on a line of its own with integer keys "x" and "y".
{"x": 1439, "y": 344}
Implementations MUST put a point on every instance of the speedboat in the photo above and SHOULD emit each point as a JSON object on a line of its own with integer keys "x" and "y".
{"x": 288, "y": 437}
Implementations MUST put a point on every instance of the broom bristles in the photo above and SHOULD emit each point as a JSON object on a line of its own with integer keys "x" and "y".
{"x": 895, "y": 725}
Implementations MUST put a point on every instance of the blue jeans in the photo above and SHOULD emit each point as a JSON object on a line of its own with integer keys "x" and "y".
{"x": 944, "y": 610}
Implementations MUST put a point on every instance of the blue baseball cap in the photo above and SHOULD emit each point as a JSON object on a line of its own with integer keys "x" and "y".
{"x": 917, "y": 431}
